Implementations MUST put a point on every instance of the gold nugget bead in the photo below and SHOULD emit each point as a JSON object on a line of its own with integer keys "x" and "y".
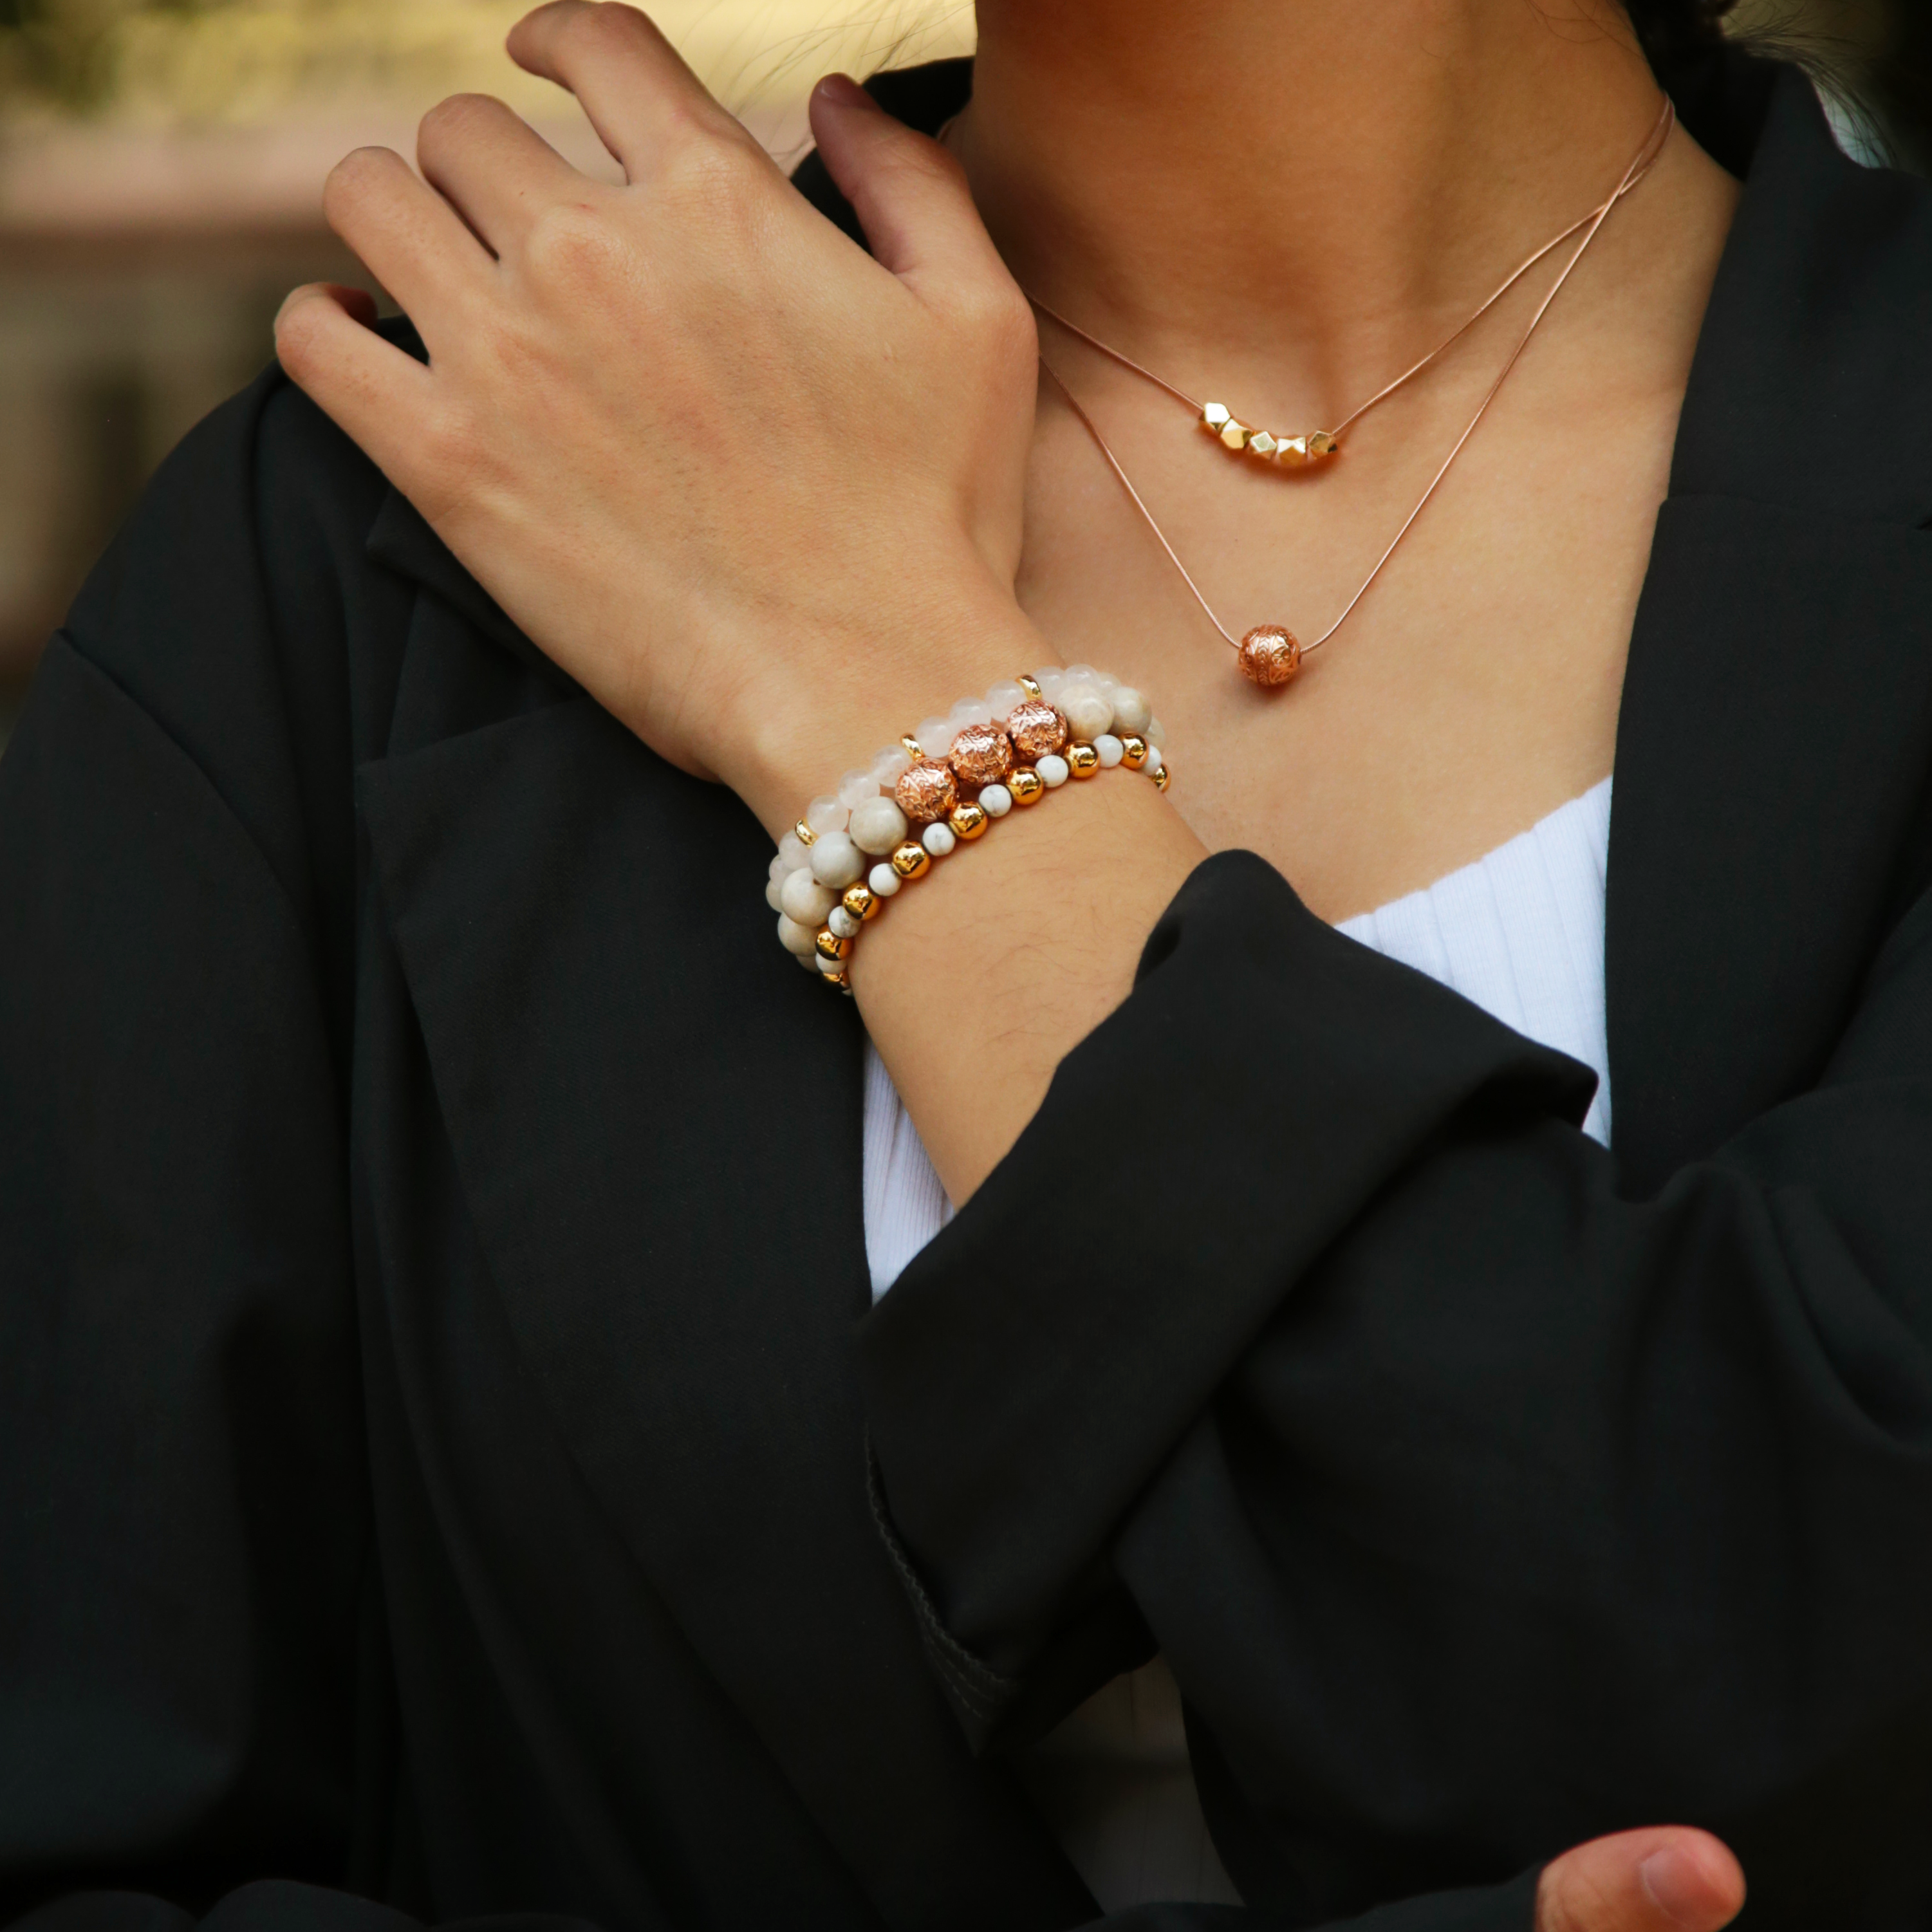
{"x": 806, "y": 836}
{"x": 861, "y": 902}
{"x": 1214, "y": 418}
{"x": 968, "y": 821}
{"x": 1235, "y": 434}
{"x": 830, "y": 945}
{"x": 1036, "y": 728}
{"x": 1026, "y": 785}
{"x": 1160, "y": 779}
{"x": 926, "y": 790}
{"x": 1292, "y": 452}
{"x": 1321, "y": 444}
{"x": 1082, "y": 760}
{"x": 910, "y": 860}
{"x": 1133, "y": 751}
{"x": 1263, "y": 444}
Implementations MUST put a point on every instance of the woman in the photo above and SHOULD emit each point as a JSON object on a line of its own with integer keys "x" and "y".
{"x": 438, "y": 1217}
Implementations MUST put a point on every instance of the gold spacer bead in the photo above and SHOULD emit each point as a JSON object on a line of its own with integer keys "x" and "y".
{"x": 912, "y": 749}
{"x": 861, "y": 902}
{"x": 1263, "y": 444}
{"x": 830, "y": 945}
{"x": 1292, "y": 452}
{"x": 1321, "y": 444}
{"x": 806, "y": 836}
{"x": 1236, "y": 434}
{"x": 1026, "y": 785}
{"x": 1133, "y": 751}
{"x": 1160, "y": 779}
{"x": 1082, "y": 760}
{"x": 911, "y": 859}
{"x": 968, "y": 821}
{"x": 1031, "y": 687}
{"x": 837, "y": 979}
{"x": 1214, "y": 418}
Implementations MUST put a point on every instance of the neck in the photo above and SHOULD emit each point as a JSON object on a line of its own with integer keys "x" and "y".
{"x": 1319, "y": 183}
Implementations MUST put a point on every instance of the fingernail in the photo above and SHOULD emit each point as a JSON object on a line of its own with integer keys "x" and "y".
{"x": 1678, "y": 1886}
{"x": 842, "y": 91}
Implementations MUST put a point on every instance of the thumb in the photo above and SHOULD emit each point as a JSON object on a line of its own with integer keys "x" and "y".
{"x": 1668, "y": 1878}
{"x": 909, "y": 194}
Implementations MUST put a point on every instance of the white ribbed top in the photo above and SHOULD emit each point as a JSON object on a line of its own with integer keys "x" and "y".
{"x": 1519, "y": 934}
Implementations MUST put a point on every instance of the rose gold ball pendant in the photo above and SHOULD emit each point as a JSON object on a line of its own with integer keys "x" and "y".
{"x": 1270, "y": 656}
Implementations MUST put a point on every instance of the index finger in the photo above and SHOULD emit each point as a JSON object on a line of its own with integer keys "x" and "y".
{"x": 630, "y": 81}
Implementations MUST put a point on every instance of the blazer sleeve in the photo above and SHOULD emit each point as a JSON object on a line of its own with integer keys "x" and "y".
{"x": 1477, "y": 1509}
{"x": 184, "y": 1536}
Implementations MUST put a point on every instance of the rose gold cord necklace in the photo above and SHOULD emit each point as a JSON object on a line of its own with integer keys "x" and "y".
{"x": 1270, "y": 654}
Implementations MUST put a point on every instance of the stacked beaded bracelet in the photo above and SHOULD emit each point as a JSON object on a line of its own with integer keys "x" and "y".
{"x": 884, "y": 826}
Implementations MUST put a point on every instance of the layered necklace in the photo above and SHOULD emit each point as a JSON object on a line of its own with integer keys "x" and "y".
{"x": 1270, "y": 654}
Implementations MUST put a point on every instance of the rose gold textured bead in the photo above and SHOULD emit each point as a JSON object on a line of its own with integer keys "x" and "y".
{"x": 926, "y": 791}
{"x": 1270, "y": 655}
{"x": 1026, "y": 785}
{"x": 968, "y": 821}
{"x": 982, "y": 754}
{"x": 1036, "y": 728}
{"x": 1082, "y": 760}
{"x": 1133, "y": 751}
{"x": 830, "y": 945}
{"x": 861, "y": 902}
{"x": 910, "y": 859}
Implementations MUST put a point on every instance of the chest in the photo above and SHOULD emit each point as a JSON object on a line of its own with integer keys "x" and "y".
{"x": 1473, "y": 689}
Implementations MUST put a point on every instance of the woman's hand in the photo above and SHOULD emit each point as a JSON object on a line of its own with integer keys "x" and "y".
{"x": 759, "y": 493}
{"x": 1668, "y": 1879}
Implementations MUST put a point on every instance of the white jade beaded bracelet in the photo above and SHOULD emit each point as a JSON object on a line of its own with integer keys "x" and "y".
{"x": 917, "y": 802}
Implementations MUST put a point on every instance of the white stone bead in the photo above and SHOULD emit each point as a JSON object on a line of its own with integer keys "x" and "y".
{"x": 1109, "y": 684}
{"x": 995, "y": 801}
{"x": 842, "y": 923}
{"x": 1050, "y": 680}
{"x": 970, "y": 711}
{"x": 805, "y": 898}
{"x": 884, "y": 881}
{"x": 1088, "y": 714}
{"x": 887, "y": 765}
{"x": 1154, "y": 760}
{"x": 825, "y": 814}
{"x": 1156, "y": 732}
{"x": 809, "y": 960}
{"x": 1004, "y": 696}
{"x": 855, "y": 787}
{"x": 836, "y": 862}
{"x": 1052, "y": 769}
{"x": 878, "y": 826}
{"x": 775, "y": 894}
{"x": 1081, "y": 674}
{"x": 1109, "y": 750}
{"x": 937, "y": 838}
{"x": 792, "y": 849}
{"x": 828, "y": 967}
{"x": 935, "y": 736}
{"x": 802, "y": 939}
{"x": 1132, "y": 712}
{"x": 779, "y": 867}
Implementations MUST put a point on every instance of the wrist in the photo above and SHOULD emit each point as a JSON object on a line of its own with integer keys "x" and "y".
{"x": 859, "y": 690}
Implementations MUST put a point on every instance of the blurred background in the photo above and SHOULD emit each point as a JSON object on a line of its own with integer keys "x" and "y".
{"x": 160, "y": 164}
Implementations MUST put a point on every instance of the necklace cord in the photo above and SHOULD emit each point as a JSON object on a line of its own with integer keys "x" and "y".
{"x": 1640, "y": 166}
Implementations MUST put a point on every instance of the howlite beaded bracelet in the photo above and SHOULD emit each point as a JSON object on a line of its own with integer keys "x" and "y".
{"x": 946, "y": 783}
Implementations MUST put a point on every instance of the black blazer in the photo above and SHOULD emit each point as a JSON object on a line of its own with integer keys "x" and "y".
{"x": 436, "y": 1370}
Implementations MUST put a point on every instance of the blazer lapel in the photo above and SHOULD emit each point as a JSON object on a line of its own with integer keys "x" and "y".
{"x": 1776, "y": 721}
{"x": 656, "y": 1117}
